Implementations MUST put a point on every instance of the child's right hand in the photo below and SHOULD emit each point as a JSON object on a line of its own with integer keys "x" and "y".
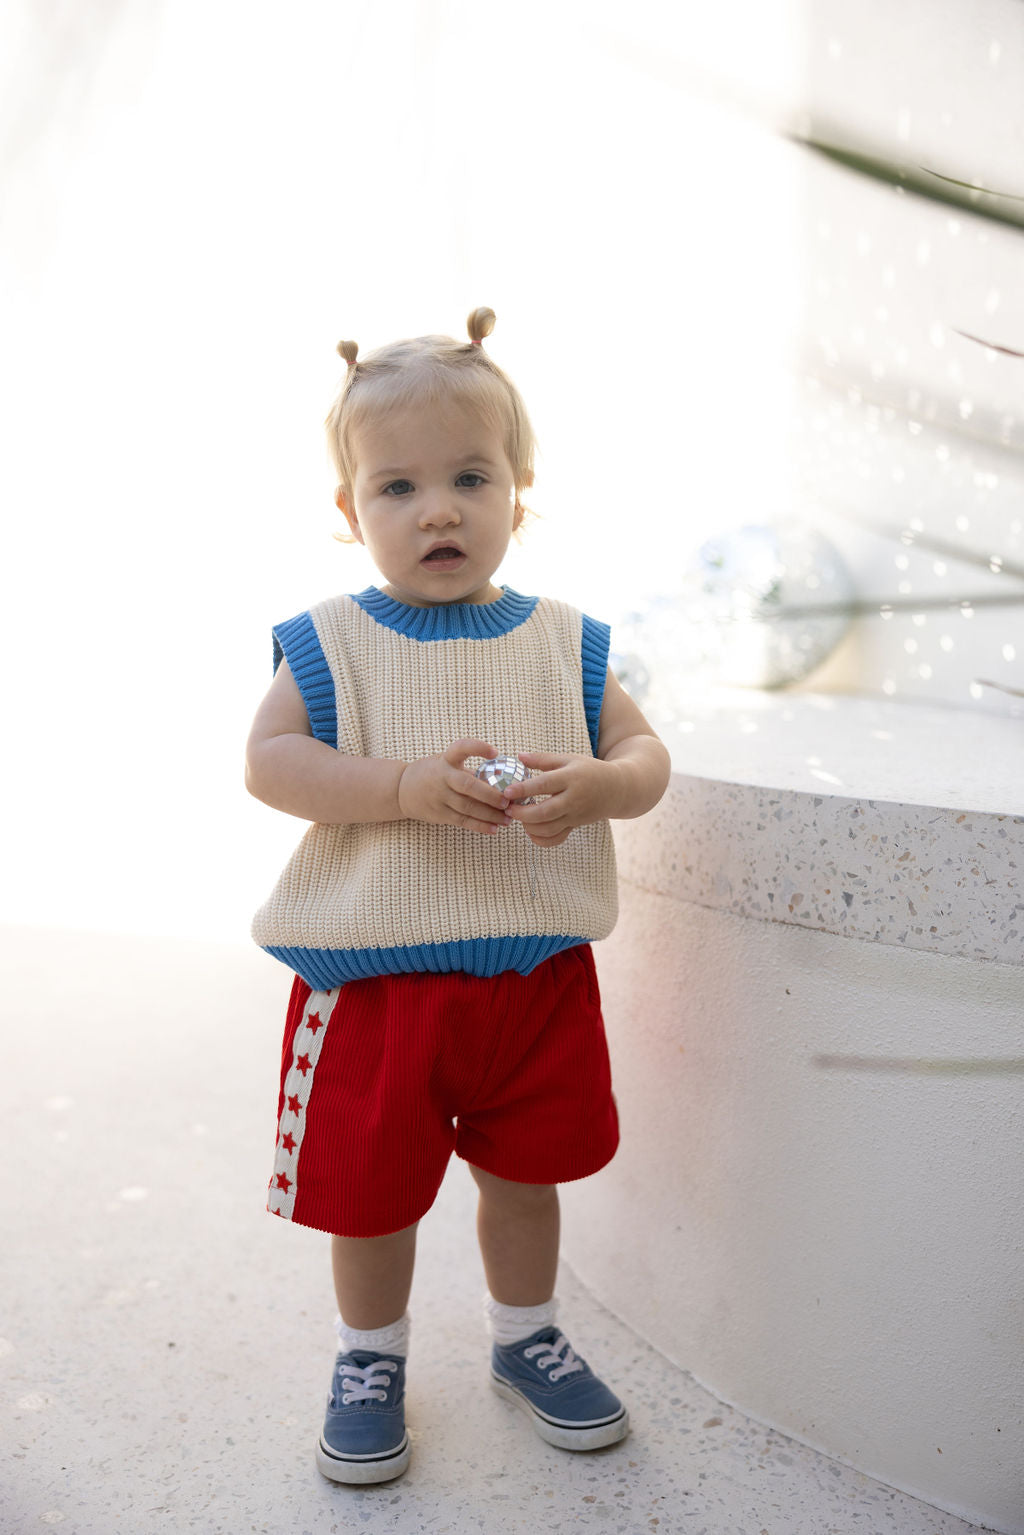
{"x": 445, "y": 792}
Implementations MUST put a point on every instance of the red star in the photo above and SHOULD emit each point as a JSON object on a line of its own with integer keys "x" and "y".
{"x": 303, "y": 1063}
{"x": 294, "y": 1106}
{"x": 288, "y": 1142}
{"x": 283, "y": 1182}
{"x": 314, "y": 1022}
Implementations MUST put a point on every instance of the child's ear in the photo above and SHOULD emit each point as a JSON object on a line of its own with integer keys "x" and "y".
{"x": 520, "y": 509}
{"x": 341, "y": 501}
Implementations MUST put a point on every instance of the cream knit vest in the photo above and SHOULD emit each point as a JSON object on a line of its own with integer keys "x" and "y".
{"x": 381, "y": 679}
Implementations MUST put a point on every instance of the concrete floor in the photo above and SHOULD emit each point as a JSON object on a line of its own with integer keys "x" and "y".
{"x": 165, "y": 1346}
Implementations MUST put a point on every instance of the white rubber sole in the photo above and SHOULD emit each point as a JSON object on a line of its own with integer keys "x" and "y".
{"x": 593, "y": 1436}
{"x": 360, "y": 1472}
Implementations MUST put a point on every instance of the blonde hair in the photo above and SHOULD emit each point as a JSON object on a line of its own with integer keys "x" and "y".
{"x": 429, "y": 370}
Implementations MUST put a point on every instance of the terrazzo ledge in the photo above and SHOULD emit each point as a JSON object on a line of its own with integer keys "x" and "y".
{"x": 896, "y": 823}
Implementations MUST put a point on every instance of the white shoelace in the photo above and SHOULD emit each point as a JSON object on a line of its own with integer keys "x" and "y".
{"x": 551, "y": 1353}
{"x": 363, "y": 1385}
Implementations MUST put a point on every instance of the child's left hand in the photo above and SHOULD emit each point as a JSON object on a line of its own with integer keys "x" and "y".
{"x": 576, "y": 791}
{"x": 625, "y": 778}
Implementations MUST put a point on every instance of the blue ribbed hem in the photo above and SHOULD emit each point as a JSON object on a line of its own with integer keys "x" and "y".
{"x": 297, "y": 641}
{"x": 594, "y": 652}
{"x": 448, "y": 621}
{"x": 324, "y": 969}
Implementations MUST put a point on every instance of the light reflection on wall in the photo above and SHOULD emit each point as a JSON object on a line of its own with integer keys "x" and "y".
{"x": 906, "y": 435}
{"x": 910, "y": 435}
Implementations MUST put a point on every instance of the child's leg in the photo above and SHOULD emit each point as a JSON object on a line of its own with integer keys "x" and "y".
{"x": 364, "y": 1438}
{"x": 532, "y": 1363}
{"x": 373, "y": 1277}
{"x": 518, "y": 1228}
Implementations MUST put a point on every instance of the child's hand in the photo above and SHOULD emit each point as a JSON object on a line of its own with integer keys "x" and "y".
{"x": 441, "y": 790}
{"x": 577, "y": 790}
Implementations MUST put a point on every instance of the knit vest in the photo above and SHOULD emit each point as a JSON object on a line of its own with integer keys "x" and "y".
{"x": 383, "y": 679}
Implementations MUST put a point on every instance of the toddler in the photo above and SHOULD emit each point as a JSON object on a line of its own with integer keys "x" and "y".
{"x": 438, "y": 925}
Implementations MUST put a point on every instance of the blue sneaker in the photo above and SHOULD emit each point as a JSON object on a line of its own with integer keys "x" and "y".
{"x": 364, "y": 1438}
{"x": 568, "y": 1405}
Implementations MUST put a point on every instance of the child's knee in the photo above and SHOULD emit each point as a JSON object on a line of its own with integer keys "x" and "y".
{"x": 508, "y": 1194}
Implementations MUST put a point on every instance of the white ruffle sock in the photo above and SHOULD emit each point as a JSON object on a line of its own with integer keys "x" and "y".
{"x": 392, "y": 1340}
{"x": 511, "y": 1324}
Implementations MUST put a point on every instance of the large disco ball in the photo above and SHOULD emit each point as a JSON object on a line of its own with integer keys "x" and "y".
{"x": 768, "y": 603}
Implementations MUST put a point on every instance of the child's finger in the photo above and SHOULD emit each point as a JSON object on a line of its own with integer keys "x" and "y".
{"x": 533, "y": 815}
{"x": 538, "y": 786}
{"x": 472, "y": 815}
{"x": 480, "y": 794}
{"x": 551, "y": 839}
{"x": 485, "y": 827}
{"x": 468, "y": 747}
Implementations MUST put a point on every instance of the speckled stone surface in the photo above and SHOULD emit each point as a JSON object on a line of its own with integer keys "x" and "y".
{"x": 919, "y": 843}
{"x": 166, "y": 1346}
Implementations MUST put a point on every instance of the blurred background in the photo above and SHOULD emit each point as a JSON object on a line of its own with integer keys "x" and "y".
{"x": 744, "y": 260}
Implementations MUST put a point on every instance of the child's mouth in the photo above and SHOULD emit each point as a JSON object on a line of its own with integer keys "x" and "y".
{"x": 445, "y": 558}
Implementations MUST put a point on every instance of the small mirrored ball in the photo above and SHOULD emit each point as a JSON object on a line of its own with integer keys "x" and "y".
{"x": 502, "y": 772}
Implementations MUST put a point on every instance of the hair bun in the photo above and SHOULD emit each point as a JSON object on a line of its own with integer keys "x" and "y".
{"x": 480, "y": 324}
{"x": 349, "y": 350}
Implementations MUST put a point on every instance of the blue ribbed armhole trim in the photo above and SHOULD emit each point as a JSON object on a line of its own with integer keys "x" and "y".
{"x": 594, "y": 654}
{"x": 297, "y": 642}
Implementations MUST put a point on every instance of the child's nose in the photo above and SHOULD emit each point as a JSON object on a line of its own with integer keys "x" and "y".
{"x": 439, "y": 510}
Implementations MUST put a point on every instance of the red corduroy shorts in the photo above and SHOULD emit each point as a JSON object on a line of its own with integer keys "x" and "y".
{"x": 383, "y": 1079}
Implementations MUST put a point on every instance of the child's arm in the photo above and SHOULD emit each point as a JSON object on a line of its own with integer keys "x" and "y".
{"x": 285, "y": 766}
{"x": 627, "y": 777}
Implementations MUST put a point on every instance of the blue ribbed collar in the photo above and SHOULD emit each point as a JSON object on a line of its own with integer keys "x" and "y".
{"x": 448, "y": 621}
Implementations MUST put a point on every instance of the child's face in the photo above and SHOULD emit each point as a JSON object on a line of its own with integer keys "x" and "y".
{"x": 434, "y": 503}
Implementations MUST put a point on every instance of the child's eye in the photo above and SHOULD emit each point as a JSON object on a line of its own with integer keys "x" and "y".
{"x": 470, "y": 480}
{"x": 398, "y": 488}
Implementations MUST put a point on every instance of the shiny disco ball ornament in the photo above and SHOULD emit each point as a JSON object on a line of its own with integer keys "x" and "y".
{"x": 768, "y": 604}
{"x": 502, "y": 772}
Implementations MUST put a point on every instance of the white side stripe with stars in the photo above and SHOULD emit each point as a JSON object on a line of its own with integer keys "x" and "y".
{"x": 298, "y": 1085}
